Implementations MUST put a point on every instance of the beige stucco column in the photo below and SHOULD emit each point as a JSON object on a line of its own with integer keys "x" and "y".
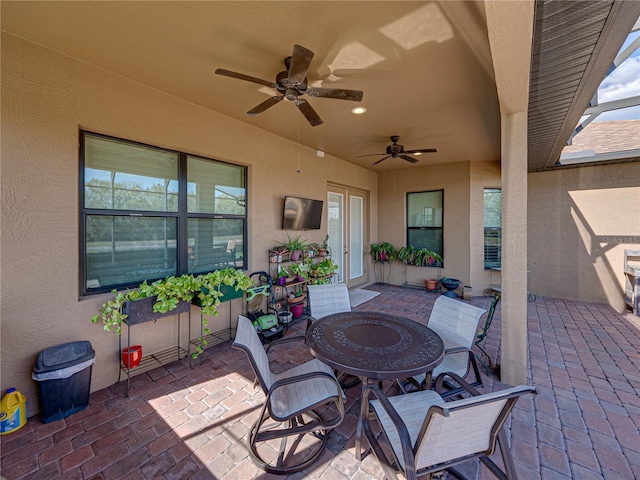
{"x": 513, "y": 352}
{"x": 510, "y": 30}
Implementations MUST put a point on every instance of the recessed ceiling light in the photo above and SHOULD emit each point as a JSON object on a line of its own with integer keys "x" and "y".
{"x": 358, "y": 110}
{"x": 417, "y": 154}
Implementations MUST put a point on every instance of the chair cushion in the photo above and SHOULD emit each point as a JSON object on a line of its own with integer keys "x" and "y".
{"x": 289, "y": 400}
{"x": 327, "y": 299}
{"x": 412, "y": 409}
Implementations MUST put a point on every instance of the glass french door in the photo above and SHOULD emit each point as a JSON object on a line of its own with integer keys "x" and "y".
{"x": 346, "y": 228}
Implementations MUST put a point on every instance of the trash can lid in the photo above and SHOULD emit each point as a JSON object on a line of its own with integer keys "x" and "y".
{"x": 64, "y": 356}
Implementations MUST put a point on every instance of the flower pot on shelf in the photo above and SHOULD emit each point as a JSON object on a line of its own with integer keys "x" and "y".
{"x": 295, "y": 300}
{"x": 296, "y": 309}
{"x": 131, "y": 356}
{"x": 284, "y": 317}
{"x": 431, "y": 283}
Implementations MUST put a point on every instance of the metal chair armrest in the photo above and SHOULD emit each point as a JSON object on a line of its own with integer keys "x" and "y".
{"x": 303, "y": 378}
{"x": 459, "y": 380}
{"x": 280, "y": 341}
{"x": 456, "y": 350}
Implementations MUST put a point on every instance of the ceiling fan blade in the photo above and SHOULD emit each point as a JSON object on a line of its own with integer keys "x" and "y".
{"x": 337, "y": 93}
{"x": 309, "y": 113}
{"x": 242, "y": 76}
{"x": 422, "y": 150}
{"x": 264, "y": 105}
{"x": 371, "y": 155}
{"x": 300, "y": 61}
{"x": 381, "y": 160}
{"x": 408, "y": 158}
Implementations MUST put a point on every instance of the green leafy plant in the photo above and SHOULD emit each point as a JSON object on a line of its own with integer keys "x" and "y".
{"x": 322, "y": 272}
{"x": 169, "y": 292}
{"x": 294, "y": 245}
{"x": 418, "y": 257}
{"x": 427, "y": 258}
{"x": 300, "y": 270}
{"x": 383, "y": 251}
{"x": 209, "y": 285}
{"x": 406, "y": 255}
{"x": 314, "y": 248}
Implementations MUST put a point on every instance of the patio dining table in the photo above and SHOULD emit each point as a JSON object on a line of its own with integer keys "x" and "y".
{"x": 374, "y": 346}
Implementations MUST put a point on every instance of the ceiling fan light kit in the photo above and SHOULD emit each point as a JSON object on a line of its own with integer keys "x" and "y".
{"x": 291, "y": 84}
{"x": 396, "y": 150}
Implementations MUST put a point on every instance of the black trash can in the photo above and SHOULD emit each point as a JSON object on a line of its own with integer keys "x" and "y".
{"x": 63, "y": 374}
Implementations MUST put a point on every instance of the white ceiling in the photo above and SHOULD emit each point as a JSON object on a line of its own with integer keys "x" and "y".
{"x": 424, "y": 67}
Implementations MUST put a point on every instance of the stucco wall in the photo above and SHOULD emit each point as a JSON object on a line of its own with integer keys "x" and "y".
{"x": 580, "y": 222}
{"x": 455, "y": 180}
{"x": 46, "y": 99}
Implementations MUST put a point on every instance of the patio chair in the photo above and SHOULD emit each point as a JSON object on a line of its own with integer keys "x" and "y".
{"x": 288, "y": 409}
{"x": 327, "y": 299}
{"x": 428, "y": 435}
{"x": 456, "y": 322}
{"x": 484, "y": 331}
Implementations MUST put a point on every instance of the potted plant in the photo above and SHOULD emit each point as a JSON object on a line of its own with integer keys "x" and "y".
{"x": 300, "y": 271}
{"x": 162, "y": 296}
{"x": 296, "y": 296}
{"x": 296, "y": 247}
{"x": 406, "y": 255}
{"x": 431, "y": 284}
{"x": 383, "y": 251}
{"x": 276, "y": 253}
{"x": 450, "y": 284}
{"x": 323, "y": 249}
{"x": 427, "y": 258}
{"x": 313, "y": 249}
{"x": 170, "y": 295}
{"x": 283, "y": 275}
{"x": 322, "y": 272}
{"x": 419, "y": 257}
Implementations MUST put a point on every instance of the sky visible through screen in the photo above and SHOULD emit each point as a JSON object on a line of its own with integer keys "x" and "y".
{"x": 623, "y": 82}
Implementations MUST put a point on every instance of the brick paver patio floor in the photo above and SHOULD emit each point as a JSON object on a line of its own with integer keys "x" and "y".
{"x": 191, "y": 423}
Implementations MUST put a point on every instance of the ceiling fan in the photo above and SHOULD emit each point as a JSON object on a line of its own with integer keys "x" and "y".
{"x": 395, "y": 150}
{"x": 291, "y": 84}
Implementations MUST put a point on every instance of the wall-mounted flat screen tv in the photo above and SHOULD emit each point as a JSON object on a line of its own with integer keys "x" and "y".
{"x": 301, "y": 214}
